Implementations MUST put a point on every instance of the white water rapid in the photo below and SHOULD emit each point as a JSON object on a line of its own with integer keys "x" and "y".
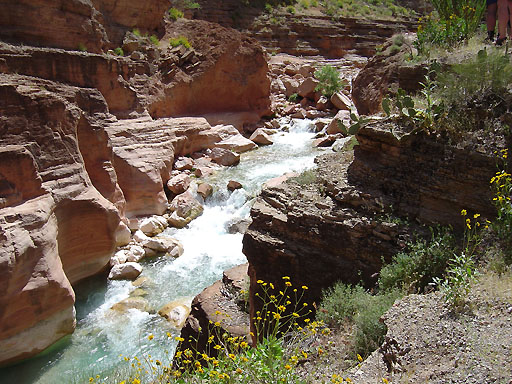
{"x": 102, "y": 335}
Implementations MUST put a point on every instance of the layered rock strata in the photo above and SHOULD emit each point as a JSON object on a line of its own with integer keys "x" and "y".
{"x": 95, "y": 24}
{"x": 303, "y": 35}
{"x": 50, "y": 210}
{"x": 331, "y": 224}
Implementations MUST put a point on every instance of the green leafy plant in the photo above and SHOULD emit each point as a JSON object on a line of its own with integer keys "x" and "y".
{"x": 136, "y": 32}
{"x": 188, "y": 4}
{"x": 82, "y": 47}
{"x": 154, "y": 40}
{"x": 356, "y": 123}
{"x": 461, "y": 271}
{"x": 293, "y": 97}
{"x": 414, "y": 270}
{"x": 182, "y": 40}
{"x": 175, "y": 14}
{"x": 488, "y": 73}
{"x": 351, "y": 305}
{"x": 119, "y": 51}
{"x": 501, "y": 184}
{"x": 457, "y": 21}
{"x": 423, "y": 118}
{"x": 329, "y": 80}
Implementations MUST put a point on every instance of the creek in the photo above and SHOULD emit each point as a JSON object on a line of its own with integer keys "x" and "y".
{"x": 103, "y": 337}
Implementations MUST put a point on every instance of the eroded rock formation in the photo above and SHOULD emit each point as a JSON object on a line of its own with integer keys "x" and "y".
{"x": 301, "y": 35}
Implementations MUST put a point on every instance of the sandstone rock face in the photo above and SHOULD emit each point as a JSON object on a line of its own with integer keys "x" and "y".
{"x": 425, "y": 178}
{"x": 107, "y": 73}
{"x": 218, "y": 303}
{"x": 384, "y": 74}
{"x": 305, "y": 35}
{"x": 50, "y": 209}
{"x": 231, "y": 77}
{"x": 144, "y": 150}
{"x": 36, "y": 302}
{"x": 65, "y": 24}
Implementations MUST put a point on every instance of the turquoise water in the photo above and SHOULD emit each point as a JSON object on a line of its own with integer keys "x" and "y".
{"x": 102, "y": 334}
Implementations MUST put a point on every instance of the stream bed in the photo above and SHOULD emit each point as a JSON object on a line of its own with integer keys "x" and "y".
{"x": 103, "y": 337}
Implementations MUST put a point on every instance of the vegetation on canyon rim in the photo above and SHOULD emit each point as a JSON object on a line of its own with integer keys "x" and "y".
{"x": 342, "y": 8}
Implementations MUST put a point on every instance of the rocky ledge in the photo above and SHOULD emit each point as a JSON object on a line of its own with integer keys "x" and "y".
{"x": 336, "y": 222}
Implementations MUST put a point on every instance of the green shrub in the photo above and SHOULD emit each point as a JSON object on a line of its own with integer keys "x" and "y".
{"x": 82, "y": 47}
{"x": 329, "y": 79}
{"x": 341, "y": 303}
{"x": 269, "y": 8}
{"x": 154, "y": 40}
{"x": 119, "y": 51}
{"x": 293, "y": 97}
{"x": 182, "y": 40}
{"x": 344, "y": 304}
{"x": 291, "y": 9}
{"x": 414, "y": 270}
{"x": 369, "y": 330}
{"x": 485, "y": 74}
{"x": 188, "y": 4}
{"x": 305, "y": 178}
{"x": 175, "y": 14}
{"x": 136, "y": 32}
{"x": 304, "y": 4}
{"x": 457, "y": 21}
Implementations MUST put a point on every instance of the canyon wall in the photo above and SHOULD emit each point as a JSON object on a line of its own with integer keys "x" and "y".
{"x": 88, "y": 139}
{"x": 306, "y": 35}
{"x": 336, "y": 223}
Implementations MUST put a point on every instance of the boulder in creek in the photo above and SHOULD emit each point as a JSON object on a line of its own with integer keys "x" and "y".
{"x": 261, "y": 138}
{"x": 184, "y": 163}
{"x": 307, "y": 87}
{"x": 126, "y": 271}
{"x": 136, "y": 302}
{"x": 325, "y": 141}
{"x": 234, "y": 141}
{"x": 205, "y": 190}
{"x": 176, "y": 312}
{"x": 153, "y": 225}
{"x": 123, "y": 234}
{"x": 179, "y": 183}
{"x": 184, "y": 208}
{"x": 159, "y": 244}
{"x": 342, "y": 102}
{"x": 233, "y": 185}
{"x": 135, "y": 253}
{"x": 120, "y": 257}
{"x": 238, "y": 225}
{"x": 223, "y": 156}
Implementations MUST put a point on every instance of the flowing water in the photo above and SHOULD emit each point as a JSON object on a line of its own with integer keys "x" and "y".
{"x": 102, "y": 334}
